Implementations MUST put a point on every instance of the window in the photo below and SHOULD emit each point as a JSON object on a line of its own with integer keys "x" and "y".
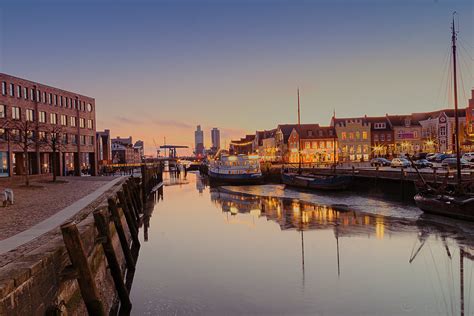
{"x": 32, "y": 94}
{"x": 44, "y": 97}
{"x": 3, "y": 108}
{"x": 38, "y": 96}
{"x": 82, "y": 122}
{"x": 442, "y": 130}
{"x": 18, "y": 91}
{"x": 75, "y": 103}
{"x": 53, "y": 118}
{"x": 16, "y": 113}
{"x": 42, "y": 117}
{"x": 310, "y": 133}
{"x": 307, "y": 145}
{"x": 357, "y": 135}
{"x": 389, "y": 137}
{"x": 364, "y": 135}
{"x": 25, "y": 93}
{"x": 89, "y": 107}
{"x": 64, "y": 138}
{"x": 74, "y": 139}
{"x": 61, "y": 101}
{"x": 382, "y": 137}
{"x": 376, "y": 137}
{"x": 90, "y": 124}
{"x": 12, "y": 90}
{"x": 343, "y": 135}
{"x": 42, "y": 136}
{"x": 30, "y": 115}
{"x": 315, "y": 145}
{"x": 91, "y": 140}
{"x": 83, "y": 139}
{"x": 2, "y": 134}
{"x": 4, "y": 87}
{"x": 351, "y": 135}
{"x": 55, "y": 99}
{"x": 15, "y": 134}
{"x": 50, "y": 98}
{"x": 73, "y": 121}
{"x": 63, "y": 120}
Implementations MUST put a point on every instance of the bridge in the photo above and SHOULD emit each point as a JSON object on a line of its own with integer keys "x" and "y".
{"x": 172, "y": 149}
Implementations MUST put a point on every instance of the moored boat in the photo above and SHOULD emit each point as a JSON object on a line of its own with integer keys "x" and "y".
{"x": 329, "y": 182}
{"x": 460, "y": 207}
{"x": 241, "y": 169}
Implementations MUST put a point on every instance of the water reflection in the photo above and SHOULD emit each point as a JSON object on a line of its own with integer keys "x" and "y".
{"x": 212, "y": 251}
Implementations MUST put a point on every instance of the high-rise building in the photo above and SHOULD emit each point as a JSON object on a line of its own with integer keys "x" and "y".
{"x": 199, "y": 141}
{"x": 216, "y": 138}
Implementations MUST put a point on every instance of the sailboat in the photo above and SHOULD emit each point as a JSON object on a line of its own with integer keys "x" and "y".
{"x": 456, "y": 203}
{"x": 331, "y": 182}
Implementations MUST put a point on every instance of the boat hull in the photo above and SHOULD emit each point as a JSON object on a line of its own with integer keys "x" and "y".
{"x": 446, "y": 206}
{"x": 248, "y": 178}
{"x": 328, "y": 183}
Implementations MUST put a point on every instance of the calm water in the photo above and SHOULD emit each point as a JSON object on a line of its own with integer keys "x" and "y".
{"x": 264, "y": 250}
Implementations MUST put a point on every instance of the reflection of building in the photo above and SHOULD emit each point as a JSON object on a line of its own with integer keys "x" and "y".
{"x": 315, "y": 144}
{"x": 40, "y": 110}
{"x": 199, "y": 142}
{"x": 216, "y": 139}
{"x": 354, "y": 139}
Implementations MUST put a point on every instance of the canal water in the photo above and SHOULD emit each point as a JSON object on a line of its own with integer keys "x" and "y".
{"x": 267, "y": 250}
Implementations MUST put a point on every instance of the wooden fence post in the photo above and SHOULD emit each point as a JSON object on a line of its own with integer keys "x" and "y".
{"x": 78, "y": 258}
{"x": 102, "y": 225}
{"x": 131, "y": 220}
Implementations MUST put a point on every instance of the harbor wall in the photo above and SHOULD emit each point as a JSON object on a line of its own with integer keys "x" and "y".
{"x": 42, "y": 281}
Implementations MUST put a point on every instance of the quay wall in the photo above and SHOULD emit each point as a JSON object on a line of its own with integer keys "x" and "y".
{"x": 41, "y": 282}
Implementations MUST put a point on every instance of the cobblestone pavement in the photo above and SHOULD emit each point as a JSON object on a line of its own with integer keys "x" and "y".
{"x": 43, "y": 199}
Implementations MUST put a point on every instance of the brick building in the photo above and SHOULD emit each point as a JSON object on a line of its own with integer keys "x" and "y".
{"x": 43, "y": 113}
{"x": 104, "y": 147}
{"x": 315, "y": 144}
{"x": 381, "y": 137}
{"x": 123, "y": 151}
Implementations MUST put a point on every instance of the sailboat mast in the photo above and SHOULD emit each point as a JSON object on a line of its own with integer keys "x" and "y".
{"x": 334, "y": 141}
{"x": 299, "y": 131}
{"x": 456, "y": 117}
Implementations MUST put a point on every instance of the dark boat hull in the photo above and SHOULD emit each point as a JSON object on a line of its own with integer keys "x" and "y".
{"x": 235, "y": 178}
{"x": 328, "y": 183}
{"x": 455, "y": 207}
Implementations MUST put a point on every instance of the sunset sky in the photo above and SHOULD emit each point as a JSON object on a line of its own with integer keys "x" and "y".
{"x": 159, "y": 68}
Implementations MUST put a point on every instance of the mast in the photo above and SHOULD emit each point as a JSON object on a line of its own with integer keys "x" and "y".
{"x": 299, "y": 131}
{"x": 461, "y": 277}
{"x": 334, "y": 141}
{"x": 456, "y": 118}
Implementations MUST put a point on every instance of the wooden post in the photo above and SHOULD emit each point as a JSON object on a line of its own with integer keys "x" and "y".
{"x": 130, "y": 204}
{"x": 121, "y": 233}
{"x": 78, "y": 258}
{"x": 144, "y": 183}
{"x": 102, "y": 225}
{"x": 131, "y": 220}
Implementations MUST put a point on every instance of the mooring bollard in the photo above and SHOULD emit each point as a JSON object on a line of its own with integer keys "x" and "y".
{"x": 102, "y": 226}
{"x": 121, "y": 233}
{"x": 78, "y": 258}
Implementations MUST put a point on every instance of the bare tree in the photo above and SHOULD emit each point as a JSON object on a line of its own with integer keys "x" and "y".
{"x": 53, "y": 140}
{"x": 21, "y": 133}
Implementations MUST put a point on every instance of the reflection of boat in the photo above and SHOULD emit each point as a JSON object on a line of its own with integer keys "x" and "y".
{"x": 241, "y": 169}
{"x": 457, "y": 204}
{"x": 193, "y": 166}
{"x": 331, "y": 182}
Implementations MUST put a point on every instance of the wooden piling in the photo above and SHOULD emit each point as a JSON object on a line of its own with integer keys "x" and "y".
{"x": 78, "y": 258}
{"x": 131, "y": 220}
{"x": 130, "y": 204}
{"x": 121, "y": 234}
{"x": 102, "y": 225}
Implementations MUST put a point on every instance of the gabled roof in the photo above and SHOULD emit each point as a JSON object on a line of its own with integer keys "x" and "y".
{"x": 314, "y": 131}
{"x": 286, "y": 130}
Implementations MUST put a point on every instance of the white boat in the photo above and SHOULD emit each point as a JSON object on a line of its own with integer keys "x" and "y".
{"x": 240, "y": 169}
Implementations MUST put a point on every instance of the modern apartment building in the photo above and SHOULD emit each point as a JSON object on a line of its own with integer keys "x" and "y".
{"x": 32, "y": 115}
{"x": 199, "y": 142}
{"x": 216, "y": 138}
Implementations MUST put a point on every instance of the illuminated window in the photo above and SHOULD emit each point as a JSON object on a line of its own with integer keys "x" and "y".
{"x": 4, "y": 87}
{"x": 16, "y": 113}
{"x": 18, "y": 91}
{"x": 42, "y": 117}
{"x": 30, "y": 115}
{"x": 63, "y": 120}
{"x": 82, "y": 122}
{"x": 3, "y": 109}
{"x": 357, "y": 135}
{"x": 12, "y": 90}
{"x": 73, "y": 121}
{"x": 53, "y": 118}
{"x": 344, "y": 135}
{"x": 307, "y": 145}
{"x": 25, "y": 93}
{"x": 90, "y": 124}
{"x": 364, "y": 135}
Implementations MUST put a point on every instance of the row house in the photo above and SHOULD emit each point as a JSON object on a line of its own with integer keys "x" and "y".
{"x": 282, "y": 135}
{"x": 381, "y": 136}
{"x": 243, "y": 146}
{"x": 469, "y": 130}
{"x": 45, "y": 114}
{"x": 407, "y": 134}
{"x": 265, "y": 145}
{"x": 312, "y": 144}
{"x": 354, "y": 138}
{"x": 438, "y": 129}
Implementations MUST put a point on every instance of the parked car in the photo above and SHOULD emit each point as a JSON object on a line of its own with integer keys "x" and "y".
{"x": 441, "y": 157}
{"x": 431, "y": 156}
{"x": 451, "y": 163}
{"x": 419, "y": 156}
{"x": 379, "y": 162}
{"x": 400, "y": 162}
{"x": 469, "y": 156}
{"x": 423, "y": 163}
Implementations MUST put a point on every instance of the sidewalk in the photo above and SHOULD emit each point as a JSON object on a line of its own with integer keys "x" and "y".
{"x": 55, "y": 220}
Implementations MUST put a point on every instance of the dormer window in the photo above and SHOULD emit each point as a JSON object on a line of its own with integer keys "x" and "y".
{"x": 310, "y": 133}
{"x": 407, "y": 122}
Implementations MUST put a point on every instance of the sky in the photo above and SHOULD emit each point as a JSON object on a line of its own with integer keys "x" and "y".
{"x": 159, "y": 68}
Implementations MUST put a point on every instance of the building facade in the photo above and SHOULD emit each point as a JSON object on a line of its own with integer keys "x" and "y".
{"x": 199, "y": 142}
{"x": 354, "y": 138}
{"x": 282, "y": 134}
{"x": 381, "y": 137}
{"x": 216, "y": 139}
{"x": 104, "y": 147}
{"x": 312, "y": 144}
{"x": 124, "y": 152}
{"x": 243, "y": 146}
{"x": 44, "y": 115}
{"x": 469, "y": 131}
{"x": 407, "y": 135}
